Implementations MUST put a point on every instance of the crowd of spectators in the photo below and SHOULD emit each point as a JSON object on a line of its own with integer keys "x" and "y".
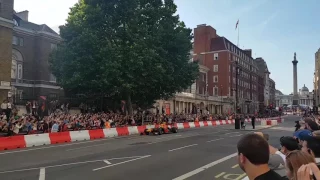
{"x": 61, "y": 120}
{"x": 298, "y": 157}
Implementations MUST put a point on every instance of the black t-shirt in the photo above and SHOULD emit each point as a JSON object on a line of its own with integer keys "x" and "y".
{"x": 270, "y": 175}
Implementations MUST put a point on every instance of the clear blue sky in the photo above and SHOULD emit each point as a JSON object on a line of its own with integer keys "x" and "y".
{"x": 273, "y": 29}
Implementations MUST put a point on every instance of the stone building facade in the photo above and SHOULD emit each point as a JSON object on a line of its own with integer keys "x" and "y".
{"x": 269, "y": 84}
{"x": 305, "y": 98}
{"x": 28, "y": 45}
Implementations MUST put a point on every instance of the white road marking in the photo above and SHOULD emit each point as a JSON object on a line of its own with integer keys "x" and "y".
{"x": 182, "y": 147}
{"x": 188, "y": 135}
{"x": 107, "y": 162}
{"x": 196, "y": 171}
{"x": 42, "y": 175}
{"x": 215, "y": 140}
{"x": 231, "y": 133}
{"x": 121, "y": 163}
{"x": 68, "y": 164}
{"x": 236, "y": 135}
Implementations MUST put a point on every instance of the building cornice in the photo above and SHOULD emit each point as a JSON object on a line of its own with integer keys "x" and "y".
{"x": 35, "y": 85}
{"x": 6, "y": 23}
{"x": 48, "y": 35}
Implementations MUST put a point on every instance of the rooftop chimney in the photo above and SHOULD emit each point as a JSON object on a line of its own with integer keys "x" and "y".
{"x": 248, "y": 52}
{"x": 24, "y": 15}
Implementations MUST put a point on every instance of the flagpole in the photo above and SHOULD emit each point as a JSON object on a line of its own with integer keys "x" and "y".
{"x": 238, "y": 35}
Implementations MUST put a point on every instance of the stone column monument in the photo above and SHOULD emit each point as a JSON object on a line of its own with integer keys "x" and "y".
{"x": 295, "y": 100}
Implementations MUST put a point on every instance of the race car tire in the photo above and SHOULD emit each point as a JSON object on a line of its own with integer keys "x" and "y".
{"x": 146, "y": 132}
{"x": 174, "y": 130}
{"x": 160, "y": 130}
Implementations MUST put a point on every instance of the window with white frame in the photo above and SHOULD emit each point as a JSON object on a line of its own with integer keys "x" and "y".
{"x": 215, "y": 78}
{"x": 229, "y": 79}
{"x": 215, "y": 91}
{"x": 215, "y": 68}
{"x": 215, "y": 56}
{"x": 20, "y": 94}
{"x": 15, "y": 40}
{"x": 16, "y": 65}
{"x": 234, "y": 80}
{"x": 20, "y": 71}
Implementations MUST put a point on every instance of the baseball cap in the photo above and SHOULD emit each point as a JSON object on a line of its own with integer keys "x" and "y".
{"x": 303, "y": 134}
{"x": 289, "y": 142}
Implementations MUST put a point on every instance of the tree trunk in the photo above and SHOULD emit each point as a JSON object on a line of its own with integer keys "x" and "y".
{"x": 129, "y": 104}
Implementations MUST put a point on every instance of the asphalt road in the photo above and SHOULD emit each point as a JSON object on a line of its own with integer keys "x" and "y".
{"x": 193, "y": 154}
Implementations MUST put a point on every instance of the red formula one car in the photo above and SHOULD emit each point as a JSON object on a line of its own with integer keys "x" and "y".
{"x": 162, "y": 129}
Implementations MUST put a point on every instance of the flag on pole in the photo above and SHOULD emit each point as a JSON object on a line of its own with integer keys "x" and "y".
{"x": 237, "y": 24}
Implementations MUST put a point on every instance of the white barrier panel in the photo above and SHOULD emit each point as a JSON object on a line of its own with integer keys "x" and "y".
{"x": 201, "y": 124}
{"x": 263, "y": 122}
{"x": 209, "y": 123}
{"x": 111, "y": 132}
{"x": 274, "y": 122}
{"x": 223, "y": 122}
{"x": 192, "y": 125}
{"x": 218, "y": 123}
{"x": 37, "y": 140}
{"x": 133, "y": 130}
{"x": 180, "y": 126}
{"x": 150, "y": 126}
{"x": 79, "y": 135}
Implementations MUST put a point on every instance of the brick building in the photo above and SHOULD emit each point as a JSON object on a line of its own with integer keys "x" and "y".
{"x": 220, "y": 56}
{"x": 25, "y": 72}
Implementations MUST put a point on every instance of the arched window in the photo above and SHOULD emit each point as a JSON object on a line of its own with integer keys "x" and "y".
{"x": 17, "y": 65}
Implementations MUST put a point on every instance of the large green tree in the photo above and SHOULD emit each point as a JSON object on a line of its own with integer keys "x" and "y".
{"x": 138, "y": 50}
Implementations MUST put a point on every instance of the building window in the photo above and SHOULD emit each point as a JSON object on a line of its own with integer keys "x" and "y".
{"x": 15, "y": 40}
{"x": 53, "y": 78}
{"x": 14, "y": 69}
{"x": 215, "y": 56}
{"x": 21, "y": 41}
{"x": 234, "y": 80}
{"x": 53, "y": 96}
{"x": 16, "y": 65}
{"x": 215, "y": 91}
{"x": 20, "y": 94}
{"x": 215, "y": 68}
{"x": 19, "y": 71}
{"x": 215, "y": 79}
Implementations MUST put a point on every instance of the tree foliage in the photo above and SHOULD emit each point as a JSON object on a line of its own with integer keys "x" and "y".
{"x": 138, "y": 50}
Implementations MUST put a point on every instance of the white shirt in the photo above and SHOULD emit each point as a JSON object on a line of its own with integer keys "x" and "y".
{"x": 282, "y": 155}
{"x": 4, "y": 105}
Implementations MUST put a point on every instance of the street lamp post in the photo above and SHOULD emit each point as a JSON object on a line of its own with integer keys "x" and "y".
{"x": 221, "y": 109}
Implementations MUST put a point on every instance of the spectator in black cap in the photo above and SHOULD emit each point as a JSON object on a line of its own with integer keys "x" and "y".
{"x": 278, "y": 157}
{"x": 311, "y": 145}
